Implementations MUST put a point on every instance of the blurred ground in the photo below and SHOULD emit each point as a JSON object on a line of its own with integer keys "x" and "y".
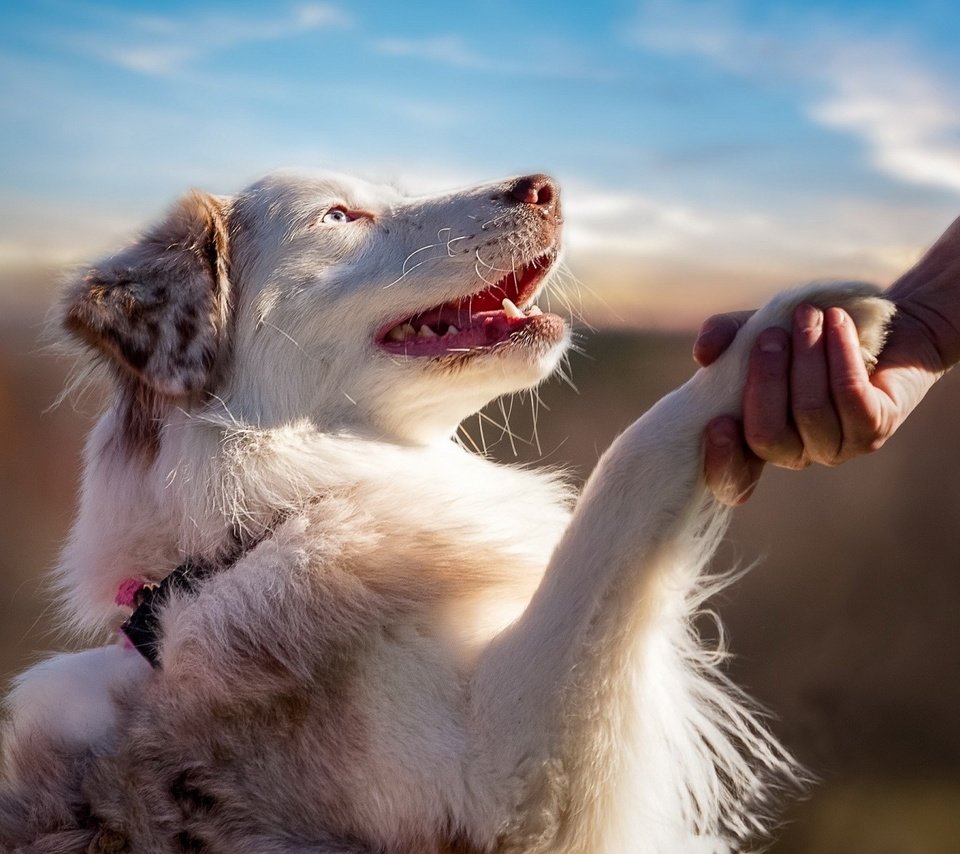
{"x": 847, "y": 628}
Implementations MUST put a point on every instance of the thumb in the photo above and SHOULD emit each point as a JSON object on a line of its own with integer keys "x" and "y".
{"x": 716, "y": 334}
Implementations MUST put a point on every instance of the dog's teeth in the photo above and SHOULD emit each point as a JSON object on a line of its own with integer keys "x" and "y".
{"x": 426, "y": 332}
{"x": 452, "y": 330}
{"x": 534, "y": 311}
{"x": 510, "y": 310}
{"x": 402, "y": 333}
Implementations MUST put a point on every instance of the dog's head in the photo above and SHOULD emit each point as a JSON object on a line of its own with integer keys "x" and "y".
{"x": 333, "y": 299}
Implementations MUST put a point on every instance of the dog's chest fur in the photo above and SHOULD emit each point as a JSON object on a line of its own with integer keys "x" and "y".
{"x": 333, "y": 656}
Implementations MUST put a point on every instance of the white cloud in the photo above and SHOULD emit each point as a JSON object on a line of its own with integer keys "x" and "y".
{"x": 909, "y": 119}
{"x": 631, "y": 224}
{"x": 448, "y": 50}
{"x": 164, "y": 46}
{"x": 709, "y": 29}
{"x": 545, "y": 60}
{"x": 691, "y": 259}
{"x": 904, "y": 111}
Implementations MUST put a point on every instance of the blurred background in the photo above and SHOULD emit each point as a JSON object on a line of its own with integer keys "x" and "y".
{"x": 710, "y": 154}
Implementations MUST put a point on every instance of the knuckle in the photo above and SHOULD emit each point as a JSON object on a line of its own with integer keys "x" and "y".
{"x": 824, "y": 456}
{"x": 867, "y": 436}
{"x": 762, "y": 437}
{"x": 859, "y": 444}
{"x": 811, "y": 409}
{"x": 848, "y": 386}
{"x": 779, "y": 449}
{"x": 870, "y": 444}
{"x": 851, "y": 396}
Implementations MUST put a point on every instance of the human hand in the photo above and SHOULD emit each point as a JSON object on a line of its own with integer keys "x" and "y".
{"x": 808, "y": 397}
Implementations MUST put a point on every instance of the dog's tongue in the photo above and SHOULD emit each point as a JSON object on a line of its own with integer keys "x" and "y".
{"x": 474, "y": 321}
{"x": 451, "y": 329}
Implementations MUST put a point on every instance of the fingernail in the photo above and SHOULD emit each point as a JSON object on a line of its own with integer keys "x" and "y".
{"x": 837, "y": 317}
{"x": 771, "y": 341}
{"x": 808, "y": 317}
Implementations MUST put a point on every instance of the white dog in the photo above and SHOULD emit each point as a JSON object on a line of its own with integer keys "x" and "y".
{"x": 368, "y": 639}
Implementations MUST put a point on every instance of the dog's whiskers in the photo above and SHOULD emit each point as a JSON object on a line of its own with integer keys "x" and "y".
{"x": 562, "y": 372}
{"x": 495, "y": 220}
{"x": 480, "y": 275}
{"x": 535, "y": 404}
{"x": 473, "y": 444}
{"x": 284, "y": 333}
{"x": 404, "y": 271}
{"x": 506, "y": 423}
{"x": 453, "y": 240}
{"x": 483, "y": 439}
{"x": 569, "y": 278}
{"x": 495, "y": 269}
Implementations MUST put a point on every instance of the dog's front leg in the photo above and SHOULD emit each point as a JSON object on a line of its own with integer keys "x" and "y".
{"x": 580, "y": 704}
{"x": 597, "y": 712}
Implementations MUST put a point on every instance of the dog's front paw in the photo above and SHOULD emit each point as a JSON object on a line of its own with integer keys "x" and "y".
{"x": 69, "y": 699}
{"x": 870, "y": 311}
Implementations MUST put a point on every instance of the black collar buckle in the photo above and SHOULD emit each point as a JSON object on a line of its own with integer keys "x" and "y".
{"x": 142, "y": 627}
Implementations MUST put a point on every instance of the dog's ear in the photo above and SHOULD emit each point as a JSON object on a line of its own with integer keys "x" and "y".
{"x": 160, "y": 307}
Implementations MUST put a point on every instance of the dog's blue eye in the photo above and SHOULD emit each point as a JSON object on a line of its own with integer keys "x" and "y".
{"x": 336, "y": 216}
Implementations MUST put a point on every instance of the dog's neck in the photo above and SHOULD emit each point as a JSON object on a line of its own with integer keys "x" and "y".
{"x": 212, "y": 476}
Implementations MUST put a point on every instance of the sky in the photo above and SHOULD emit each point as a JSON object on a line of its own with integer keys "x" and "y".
{"x": 709, "y": 153}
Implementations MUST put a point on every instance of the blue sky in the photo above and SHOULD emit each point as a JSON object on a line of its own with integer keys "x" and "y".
{"x": 710, "y": 152}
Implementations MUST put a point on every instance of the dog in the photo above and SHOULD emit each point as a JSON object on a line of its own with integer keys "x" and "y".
{"x": 342, "y": 632}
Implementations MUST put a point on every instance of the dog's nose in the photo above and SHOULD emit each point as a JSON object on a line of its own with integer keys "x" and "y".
{"x": 538, "y": 190}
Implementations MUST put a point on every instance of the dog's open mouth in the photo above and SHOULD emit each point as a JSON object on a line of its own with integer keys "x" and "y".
{"x": 479, "y": 321}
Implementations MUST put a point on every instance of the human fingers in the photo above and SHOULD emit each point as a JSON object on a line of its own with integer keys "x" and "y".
{"x": 865, "y": 422}
{"x": 767, "y": 422}
{"x": 811, "y": 403}
{"x": 716, "y": 334}
{"x": 730, "y": 467}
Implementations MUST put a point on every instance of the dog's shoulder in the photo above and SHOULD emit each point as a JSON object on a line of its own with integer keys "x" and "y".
{"x": 389, "y": 538}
